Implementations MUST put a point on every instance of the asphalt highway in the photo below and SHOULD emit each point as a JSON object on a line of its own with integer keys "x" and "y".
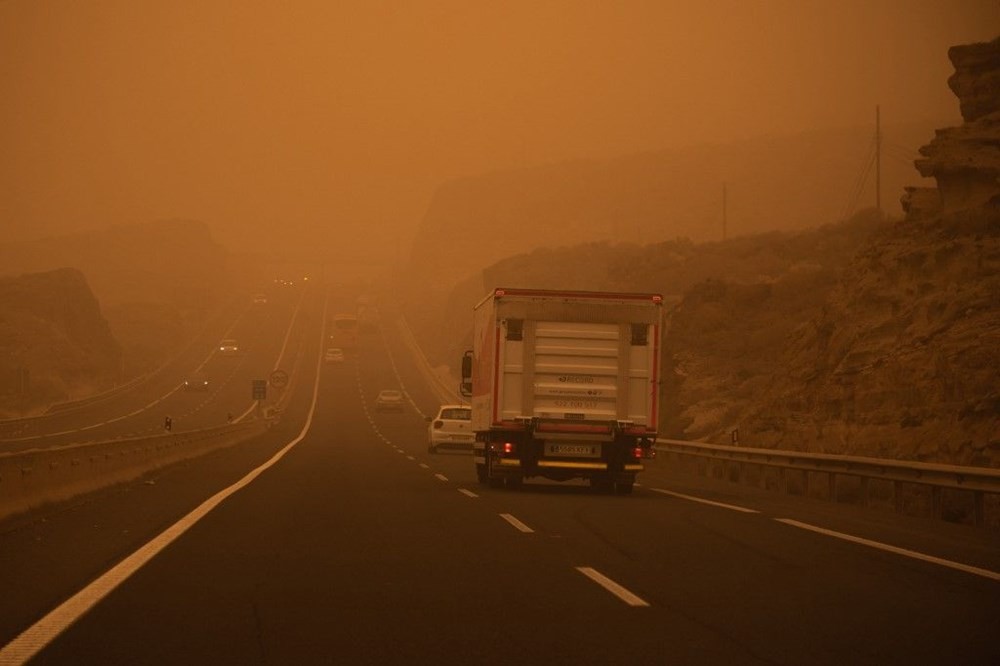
{"x": 337, "y": 538}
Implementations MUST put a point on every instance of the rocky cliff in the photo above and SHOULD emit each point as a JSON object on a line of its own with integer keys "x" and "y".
{"x": 965, "y": 161}
{"x": 904, "y": 360}
{"x": 54, "y": 342}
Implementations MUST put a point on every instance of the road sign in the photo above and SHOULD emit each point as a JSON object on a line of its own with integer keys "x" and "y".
{"x": 259, "y": 389}
{"x": 278, "y": 379}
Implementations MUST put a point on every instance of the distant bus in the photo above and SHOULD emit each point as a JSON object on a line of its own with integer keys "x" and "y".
{"x": 345, "y": 332}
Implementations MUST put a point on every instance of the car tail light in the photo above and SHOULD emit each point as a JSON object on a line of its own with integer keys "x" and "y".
{"x": 438, "y": 425}
{"x": 508, "y": 447}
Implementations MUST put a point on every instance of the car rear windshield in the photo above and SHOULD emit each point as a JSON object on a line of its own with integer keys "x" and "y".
{"x": 461, "y": 414}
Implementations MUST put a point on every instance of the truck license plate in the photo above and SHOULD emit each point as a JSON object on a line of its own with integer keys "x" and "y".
{"x": 574, "y": 450}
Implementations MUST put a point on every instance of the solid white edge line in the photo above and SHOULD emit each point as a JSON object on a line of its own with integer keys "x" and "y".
{"x": 732, "y": 507}
{"x": 34, "y": 639}
{"x": 516, "y": 523}
{"x": 291, "y": 325}
{"x": 614, "y": 588}
{"x": 976, "y": 571}
{"x": 467, "y": 493}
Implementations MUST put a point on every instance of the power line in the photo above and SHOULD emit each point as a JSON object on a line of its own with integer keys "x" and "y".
{"x": 859, "y": 183}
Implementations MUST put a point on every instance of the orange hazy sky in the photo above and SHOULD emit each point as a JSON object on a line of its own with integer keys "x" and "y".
{"x": 298, "y": 123}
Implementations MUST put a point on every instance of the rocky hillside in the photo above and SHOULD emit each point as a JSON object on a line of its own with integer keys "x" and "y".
{"x": 905, "y": 357}
{"x": 54, "y": 342}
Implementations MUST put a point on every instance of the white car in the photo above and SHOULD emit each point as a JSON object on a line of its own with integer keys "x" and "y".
{"x": 389, "y": 400}
{"x": 450, "y": 429}
{"x": 333, "y": 355}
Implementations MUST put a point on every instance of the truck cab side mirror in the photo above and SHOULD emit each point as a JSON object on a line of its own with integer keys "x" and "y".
{"x": 465, "y": 388}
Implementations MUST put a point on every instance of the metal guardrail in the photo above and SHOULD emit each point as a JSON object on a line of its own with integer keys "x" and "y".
{"x": 446, "y": 394}
{"x": 979, "y": 481}
{"x": 31, "y": 478}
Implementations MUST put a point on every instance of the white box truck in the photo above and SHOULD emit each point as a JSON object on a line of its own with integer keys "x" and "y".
{"x": 564, "y": 385}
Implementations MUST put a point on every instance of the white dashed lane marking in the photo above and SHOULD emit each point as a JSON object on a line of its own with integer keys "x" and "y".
{"x": 612, "y": 587}
{"x": 516, "y": 523}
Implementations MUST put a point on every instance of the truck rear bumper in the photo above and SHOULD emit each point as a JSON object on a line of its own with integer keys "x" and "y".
{"x": 569, "y": 464}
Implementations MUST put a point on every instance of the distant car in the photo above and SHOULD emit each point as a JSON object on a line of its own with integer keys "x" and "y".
{"x": 450, "y": 429}
{"x": 333, "y": 355}
{"x": 260, "y": 298}
{"x": 197, "y": 382}
{"x": 229, "y": 347}
{"x": 389, "y": 400}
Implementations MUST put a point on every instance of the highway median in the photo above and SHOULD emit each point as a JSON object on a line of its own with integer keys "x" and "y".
{"x": 33, "y": 478}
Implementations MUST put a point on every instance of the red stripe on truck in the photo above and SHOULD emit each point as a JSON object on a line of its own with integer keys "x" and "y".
{"x": 496, "y": 374}
{"x": 654, "y": 423}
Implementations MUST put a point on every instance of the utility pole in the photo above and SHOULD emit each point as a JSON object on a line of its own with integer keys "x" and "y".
{"x": 878, "y": 161}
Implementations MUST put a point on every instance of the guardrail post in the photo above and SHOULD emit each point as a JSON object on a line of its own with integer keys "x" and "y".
{"x": 831, "y": 486}
{"x": 936, "y": 502}
{"x": 897, "y": 496}
{"x": 978, "y": 508}
{"x": 865, "y": 497}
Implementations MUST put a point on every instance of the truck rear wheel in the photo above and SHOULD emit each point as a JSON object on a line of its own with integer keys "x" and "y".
{"x": 493, "y": 479}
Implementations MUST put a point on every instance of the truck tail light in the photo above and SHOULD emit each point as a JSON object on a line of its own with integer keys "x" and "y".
{"x": 637, "y": 452}
{"x": 508, "y": 448}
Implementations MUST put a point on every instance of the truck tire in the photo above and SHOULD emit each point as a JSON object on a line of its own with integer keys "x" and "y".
{"x": 494, "y": 480}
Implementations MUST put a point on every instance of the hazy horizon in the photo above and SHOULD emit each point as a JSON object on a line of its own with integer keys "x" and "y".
{"x": 331, "y": 126}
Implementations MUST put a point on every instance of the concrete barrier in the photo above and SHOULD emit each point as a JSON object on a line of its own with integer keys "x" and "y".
{"x": 30, "y": 479}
